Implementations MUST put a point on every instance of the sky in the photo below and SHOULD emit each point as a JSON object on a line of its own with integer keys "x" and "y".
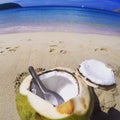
{"x": 100, "y": 4}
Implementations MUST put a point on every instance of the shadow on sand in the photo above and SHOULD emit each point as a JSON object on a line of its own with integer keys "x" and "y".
{"x": 98, "y": 114}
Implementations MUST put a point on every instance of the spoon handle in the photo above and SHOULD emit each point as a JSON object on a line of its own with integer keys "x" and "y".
{"x": 37, "y": 80}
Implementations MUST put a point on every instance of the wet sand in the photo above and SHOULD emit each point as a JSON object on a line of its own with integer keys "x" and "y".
{"x": 56, "y": 49}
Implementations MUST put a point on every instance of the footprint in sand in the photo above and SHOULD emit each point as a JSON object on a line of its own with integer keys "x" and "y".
{"x": 8, "y": 48}
{"x": 100, "y": 49}
{"x": 52, "y": 50}
{"x": 2, "y": 52}
{"x": 63, "y": 51}
{"x": 29, "y": 39}
{"x": 55, "y": 48}
{"x": 60, "y": 42}
{"x": 16, "y": 47}
{"x": 12, "y": 49}
{"x": 59, "y": 51}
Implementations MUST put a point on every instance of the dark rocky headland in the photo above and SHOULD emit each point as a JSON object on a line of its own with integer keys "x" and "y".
{"x": 9, "y": 6}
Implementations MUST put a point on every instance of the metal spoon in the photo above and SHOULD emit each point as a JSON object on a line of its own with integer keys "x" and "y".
{"x": 48, "y": 95}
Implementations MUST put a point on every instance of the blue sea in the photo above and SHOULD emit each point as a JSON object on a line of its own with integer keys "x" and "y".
{"x": 60, "y": 19}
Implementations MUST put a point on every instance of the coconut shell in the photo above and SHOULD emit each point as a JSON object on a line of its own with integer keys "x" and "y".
{"x": 28, "y": 112}
{"x": 89, "y": 80}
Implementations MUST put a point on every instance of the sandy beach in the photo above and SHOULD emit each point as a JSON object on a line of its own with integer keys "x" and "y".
{"x": 56, "y": 49}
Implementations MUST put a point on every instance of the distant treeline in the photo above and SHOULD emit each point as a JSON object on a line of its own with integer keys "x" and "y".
{"x": 9, "y": 6}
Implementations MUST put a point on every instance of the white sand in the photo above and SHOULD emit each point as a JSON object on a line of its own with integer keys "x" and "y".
{"x": 48, "y": 50}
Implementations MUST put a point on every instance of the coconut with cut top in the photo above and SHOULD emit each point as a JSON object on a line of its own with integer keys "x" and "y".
{"x": 76, "y": 93}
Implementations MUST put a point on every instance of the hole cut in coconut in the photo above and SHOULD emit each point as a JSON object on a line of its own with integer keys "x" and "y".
{"x": 96, "y": 74}
{"x": 60, "y": 81}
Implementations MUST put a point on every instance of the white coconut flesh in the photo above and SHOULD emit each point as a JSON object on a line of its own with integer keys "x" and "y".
{"x": 97, "y": 72}
{"x": 66, "y": 86}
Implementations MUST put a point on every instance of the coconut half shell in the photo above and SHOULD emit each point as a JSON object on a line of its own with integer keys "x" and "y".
{"x": 96, "y": 74}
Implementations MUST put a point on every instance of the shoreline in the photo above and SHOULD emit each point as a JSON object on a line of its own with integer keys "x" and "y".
{"x": 54, "y": 49}
{"x": 67, "y": 28}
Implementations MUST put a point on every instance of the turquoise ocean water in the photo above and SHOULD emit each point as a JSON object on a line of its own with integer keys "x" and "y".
{"x": 60, "y": 19}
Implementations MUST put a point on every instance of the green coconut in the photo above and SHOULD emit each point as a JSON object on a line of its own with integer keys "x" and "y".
{"x": 78, "y": 103}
